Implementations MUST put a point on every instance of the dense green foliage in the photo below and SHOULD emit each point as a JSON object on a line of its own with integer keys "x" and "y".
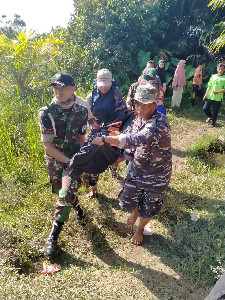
{"x": 111, "y": 34}
{"x": 219, "y": 41}
{"x": 27, "y": 62}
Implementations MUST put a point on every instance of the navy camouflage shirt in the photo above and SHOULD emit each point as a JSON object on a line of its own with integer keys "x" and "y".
{"x": 151, "y": 144}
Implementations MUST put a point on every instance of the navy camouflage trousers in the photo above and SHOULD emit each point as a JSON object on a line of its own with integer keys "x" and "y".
{"x": 149, "y": 201}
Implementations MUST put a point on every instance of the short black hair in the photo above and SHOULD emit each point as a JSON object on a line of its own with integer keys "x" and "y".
{"x": 202, "y": 61}
{"x": 150, "y": 62}
{"x": 154, "y": 82}
{"x": 220, "y": 65}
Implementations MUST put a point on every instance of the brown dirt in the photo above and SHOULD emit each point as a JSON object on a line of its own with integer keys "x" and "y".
{"x": 181, "y": 141}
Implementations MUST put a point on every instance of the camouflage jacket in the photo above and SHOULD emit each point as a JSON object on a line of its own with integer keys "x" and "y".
{"x": 151, "y": 144}
{"x": 131, "y": 94}
{"x": 62, "y": 126}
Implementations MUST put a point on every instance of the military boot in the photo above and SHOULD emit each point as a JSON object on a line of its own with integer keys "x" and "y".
{"x": 53, "y": 237}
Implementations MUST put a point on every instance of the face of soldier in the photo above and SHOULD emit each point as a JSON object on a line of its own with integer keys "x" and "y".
{"x": 104, "y": 89}
{"x": 63, "y": 94}
{"x": 146, "y": 110}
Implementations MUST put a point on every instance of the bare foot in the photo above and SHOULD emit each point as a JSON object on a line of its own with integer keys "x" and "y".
{"x": 137, "y": 238}
{"x": 131, "y": 220}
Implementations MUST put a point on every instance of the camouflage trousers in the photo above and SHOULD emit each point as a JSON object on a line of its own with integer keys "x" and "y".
{"x": 148, "y": 200}
{"x": 64, "y": 186}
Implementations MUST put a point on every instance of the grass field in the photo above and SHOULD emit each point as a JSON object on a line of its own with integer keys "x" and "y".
{"x": 182, "y": 259}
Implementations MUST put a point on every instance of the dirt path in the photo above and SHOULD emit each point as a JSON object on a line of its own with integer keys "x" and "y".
{"x": 182, "y": 140}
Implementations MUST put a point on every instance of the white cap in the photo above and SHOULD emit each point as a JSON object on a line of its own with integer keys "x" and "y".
{"x": 104, "y": 78}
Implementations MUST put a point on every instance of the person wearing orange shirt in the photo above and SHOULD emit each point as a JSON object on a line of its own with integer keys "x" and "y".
{"x": 197, "y": 83}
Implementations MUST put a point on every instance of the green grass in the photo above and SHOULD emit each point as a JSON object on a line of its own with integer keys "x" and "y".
{"x": 181, "y": 260}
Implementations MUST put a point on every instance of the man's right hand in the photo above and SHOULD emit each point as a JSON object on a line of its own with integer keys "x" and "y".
{"x": 94, "y": 124}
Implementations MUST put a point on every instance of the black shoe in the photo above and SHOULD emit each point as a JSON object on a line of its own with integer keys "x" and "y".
{"x": 53, "y": 237}
{"x": 80, "y": 218}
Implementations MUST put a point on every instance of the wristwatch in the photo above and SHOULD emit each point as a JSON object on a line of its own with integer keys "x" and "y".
{"x": 103, "y": 139}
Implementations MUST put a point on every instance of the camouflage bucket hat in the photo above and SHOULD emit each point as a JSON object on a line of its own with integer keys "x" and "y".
{"x": 146, "y": 94}
{"x": 149, "y": 73}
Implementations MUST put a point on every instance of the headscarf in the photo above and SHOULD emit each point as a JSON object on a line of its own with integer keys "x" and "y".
{"x": 179, "y": 78}
{"x": 161, "y": 72}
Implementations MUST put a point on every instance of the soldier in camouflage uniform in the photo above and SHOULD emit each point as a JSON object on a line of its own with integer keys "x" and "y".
{"x": 151, "y": 167}
{"x": 147, "y": 75}
{"x": 63, "y": 128}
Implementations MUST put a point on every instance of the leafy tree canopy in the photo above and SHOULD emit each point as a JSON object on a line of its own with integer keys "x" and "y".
{"x": 11, "y": 27}
{"x": 219, "y": 42}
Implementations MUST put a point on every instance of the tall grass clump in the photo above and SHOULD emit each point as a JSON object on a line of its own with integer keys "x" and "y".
{"x": 200, "y": 154}
{"x": 21, "y": 149}
{"x": 23, "y": 179}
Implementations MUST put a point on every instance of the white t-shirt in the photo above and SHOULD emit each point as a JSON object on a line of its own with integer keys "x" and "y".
{"x": 84, "y": 103}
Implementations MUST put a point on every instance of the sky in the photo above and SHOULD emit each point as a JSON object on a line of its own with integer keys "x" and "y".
{"x": 39, "y": 15}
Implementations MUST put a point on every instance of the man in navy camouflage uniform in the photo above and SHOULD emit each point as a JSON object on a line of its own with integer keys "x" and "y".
{"x": 63, "y": 128}
{"x": 147, "y": 75}
{"x": 151, "y": 167}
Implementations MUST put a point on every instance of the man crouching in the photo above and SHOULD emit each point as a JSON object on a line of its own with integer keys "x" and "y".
{"x": 150, "y": 170}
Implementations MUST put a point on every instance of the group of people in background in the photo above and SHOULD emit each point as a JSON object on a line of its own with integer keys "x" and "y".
{"x": 142, "y": 137}
{"x": 213, "y": 96}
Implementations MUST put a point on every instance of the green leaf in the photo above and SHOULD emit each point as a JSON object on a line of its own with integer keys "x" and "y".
{"x": 189, "y": 72}
{"x": 143, "y": 58}
{"x": 167, "y": 66}
{"x": 175, "y": 61}
{"x": 168, "y": 78}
